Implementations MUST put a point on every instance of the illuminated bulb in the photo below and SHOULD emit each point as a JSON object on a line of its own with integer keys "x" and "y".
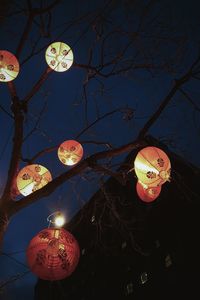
{"x": 59, "y": 220}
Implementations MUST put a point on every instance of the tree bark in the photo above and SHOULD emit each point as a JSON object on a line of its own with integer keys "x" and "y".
{"x": 4, "y": 221}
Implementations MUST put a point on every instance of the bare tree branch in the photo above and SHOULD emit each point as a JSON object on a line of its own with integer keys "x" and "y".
{"x": 189, "y": 99}
{"x": 99, "y": 119}
{"x": 24, "y": 35}
{"x": 38, "y": 85}
{"x": 78, "y": 169}
{"x": 164, "y": 103}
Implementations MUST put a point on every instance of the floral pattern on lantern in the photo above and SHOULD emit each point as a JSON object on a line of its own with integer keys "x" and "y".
{"x": 147, "y": 194}
{"x": 32, "y": 178}
{"x": 152, "y": 166}
{"x": 70, "y": 152}
{"x": 59, "y": 56}
{"x": 9, "y": 66}
{"x": 53, "y": 254}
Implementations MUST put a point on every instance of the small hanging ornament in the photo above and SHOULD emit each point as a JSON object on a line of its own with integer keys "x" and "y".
{"x": 9, "y": 66}
{"x": 70, "y": 152}
{"x": 147, "y": 194}
{"x": 59, "y": 56}
{"x": 32, "y": 178}
{"x": 152, "y": 166}
{"x": 53, "y": 254}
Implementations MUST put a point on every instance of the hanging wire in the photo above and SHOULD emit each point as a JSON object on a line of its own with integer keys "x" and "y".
{"x": 14, "y": 259}
{"x": 5, "y": 111}
{"x": 15, "y": 252}
{"x": 12, "y": 279}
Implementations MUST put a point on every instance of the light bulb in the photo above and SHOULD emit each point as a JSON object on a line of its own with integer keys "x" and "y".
{"x": 59, "y": 220}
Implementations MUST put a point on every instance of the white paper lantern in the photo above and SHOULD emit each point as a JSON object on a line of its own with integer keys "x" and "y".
{"x": 32, "y": 178}
{"x": 59, "y": 56}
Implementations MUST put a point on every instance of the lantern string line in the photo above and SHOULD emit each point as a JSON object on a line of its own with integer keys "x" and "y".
{"x": 6, "y": 112}
{"x": 14, "y": 259}
{"x": 16, "y": 252}
{"x": 13, "y": 278}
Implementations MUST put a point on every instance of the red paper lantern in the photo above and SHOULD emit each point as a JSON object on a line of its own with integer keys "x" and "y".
{"x": 147, "y": 194}
{"x": 53, "y": 254}
{"x": 70, "y": 152}
{"x": 9, "y": 66}
{"x": 152, "y": 166}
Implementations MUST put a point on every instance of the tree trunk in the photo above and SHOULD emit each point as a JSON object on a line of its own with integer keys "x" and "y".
{"x": 4, "y": 220}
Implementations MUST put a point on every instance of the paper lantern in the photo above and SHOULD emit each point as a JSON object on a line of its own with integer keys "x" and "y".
{"x": 32, "y": 178}
{"x": 147, "y": 194}
{"x": 9, "y": 66}
{"x": 53, "y": 254}
{"x": 152, "y": 166}
{"x": 70, "y": 152}
{"x": 59, "y": 57}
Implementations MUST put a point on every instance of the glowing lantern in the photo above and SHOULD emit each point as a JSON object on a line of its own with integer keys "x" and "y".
{"x": 70, "y": 152}
{"x": 32, "y": 178}
{"x": 9, "y": 66}
{"x": 152, "y": 166}
{"x": 147, "y": 194}
{"x": 59, "y": 57}
{"x": 53, "y": 254}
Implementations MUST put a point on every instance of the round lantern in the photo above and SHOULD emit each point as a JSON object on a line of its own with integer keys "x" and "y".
{"x": 32, "y": 178}
{"x": 9, "y": 66}
{"x": 152, "y": 166}
{"x": 147, "y": 194}
{"x": 59, "y": 56}
{"x": 53, "y": 254}
{"x": 70, "y": 152}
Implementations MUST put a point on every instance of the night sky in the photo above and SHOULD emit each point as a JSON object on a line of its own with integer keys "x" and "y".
{"x": 61, "y": 103}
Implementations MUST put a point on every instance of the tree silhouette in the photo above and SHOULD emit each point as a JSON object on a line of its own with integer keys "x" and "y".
{"x": 134, "y": 41}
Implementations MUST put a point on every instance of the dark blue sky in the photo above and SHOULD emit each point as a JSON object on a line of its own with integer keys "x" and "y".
{"x": 63, "y": 117}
